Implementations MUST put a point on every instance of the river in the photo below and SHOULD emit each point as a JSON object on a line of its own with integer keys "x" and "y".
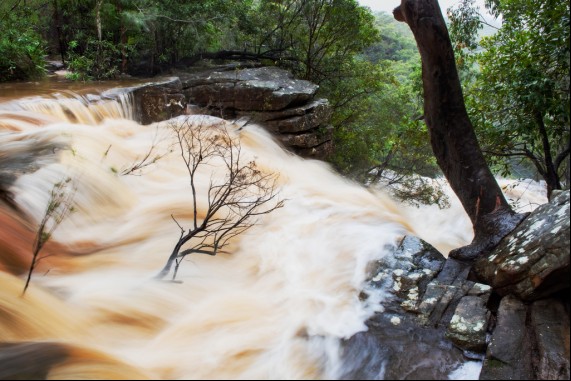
{"x": 274, "y": 306}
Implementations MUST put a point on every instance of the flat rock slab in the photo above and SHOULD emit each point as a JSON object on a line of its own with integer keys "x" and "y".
{"x": 260, "y": 89}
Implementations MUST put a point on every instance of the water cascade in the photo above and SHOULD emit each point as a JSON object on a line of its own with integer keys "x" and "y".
{"x": 274, "y": 306}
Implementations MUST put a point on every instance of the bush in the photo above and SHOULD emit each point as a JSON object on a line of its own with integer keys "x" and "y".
{"x": 99, "y": 60}
{"x": 21, "y": 49}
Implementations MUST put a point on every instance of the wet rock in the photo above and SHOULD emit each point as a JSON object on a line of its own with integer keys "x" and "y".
{"x": 268, "y": 96}
{"x": 423, "y": 282}
{"x": 293, "y": 120}
{"x": 550, "y": 323}
{"x": 30, "y": 361}
{"x": 318, "y": 152}
{"x": 507, "y": 356}
{"x": 399, "y": 343}
{"x": 53, "y": 65}
{"x": 445, "y": 292}
{"x": 259, "y": 89}
{"x": 396, "y": 347}
{"x": 533, "y": 261}
{"x": 436, "y": 298}
{"x": 155, "y": 102}
{"x": 408, "y": 271}
{"x": 483, "y": 291}
{"x": 453, "y": 271}
{"x": 28, "y": 158}
{"x": 529, "y": 341}
{"x": 420, "y": 254}
{"x": 469, "y": 324}
{"x": 309, "y": 139}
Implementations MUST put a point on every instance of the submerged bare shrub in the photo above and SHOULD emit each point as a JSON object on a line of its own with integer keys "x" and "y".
{"x": 235, "y": 200}
{"x": 60, "y": 204}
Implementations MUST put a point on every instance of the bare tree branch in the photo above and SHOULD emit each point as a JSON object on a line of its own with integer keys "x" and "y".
{"x": 148, "y": 159}
{"x": 60, "y": 204}
{"x": 234, "y": 202}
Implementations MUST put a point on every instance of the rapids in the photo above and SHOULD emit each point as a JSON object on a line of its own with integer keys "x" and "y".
{"x": 273, "y": 307}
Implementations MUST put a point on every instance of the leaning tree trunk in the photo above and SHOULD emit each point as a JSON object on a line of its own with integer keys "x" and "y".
{"x": 451, "y": 133}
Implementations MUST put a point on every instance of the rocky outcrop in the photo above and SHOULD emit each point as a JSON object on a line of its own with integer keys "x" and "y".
{"x": 529, "y": 341}
{"x": 159, "y": 101}
{"x": 268, "y": 96}
{"x": 509, "y": 344}
{"x": 155, "y": 101}
{"x": 438, "y": 314}
{"x": 531, "y": 267}
{"x": 427, "y": 326}
{"x": 533, "y": 261}
{"x": 469, "y": 324}
{"x": 258, "y": 89}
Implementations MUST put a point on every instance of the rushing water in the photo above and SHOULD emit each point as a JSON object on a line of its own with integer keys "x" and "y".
{"x": 273, "y": 307}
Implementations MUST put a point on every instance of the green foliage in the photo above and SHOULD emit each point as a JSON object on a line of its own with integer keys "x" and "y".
{"x": 316, "y": 39}
{"x": 396, "y": 42}
{"x": 384, "y": 139}
{"x": 381, "y": 137}
{"x": 463, "y": 29}
{"x": 171, "y": 30}
{"x": 99, "y": 60}
{"x": 21, "y": 47}
{"x": 519, "y": 102}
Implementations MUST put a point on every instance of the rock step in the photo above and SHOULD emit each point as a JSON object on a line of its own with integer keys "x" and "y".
{"x": 267, "y": 96}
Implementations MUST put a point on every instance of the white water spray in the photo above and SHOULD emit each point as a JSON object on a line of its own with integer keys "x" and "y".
{"x": 275, "y": 307}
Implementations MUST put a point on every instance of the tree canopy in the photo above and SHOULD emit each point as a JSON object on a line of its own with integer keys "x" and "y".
{"x": 519, "y": 99}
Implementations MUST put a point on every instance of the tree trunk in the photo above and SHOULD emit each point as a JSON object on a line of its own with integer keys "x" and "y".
{"x": 551, "y": 176}
{"x": 98, "y": 5}
{"x": 60, "y": 38}
{"x": 452, "y": 136}
{"x": 122, "y": 38}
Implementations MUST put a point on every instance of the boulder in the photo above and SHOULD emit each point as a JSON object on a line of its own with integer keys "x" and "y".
{"x": 407, "y": 272}
{"x": 550, "y": 323}
{"x": 258, "y": 89}
{"x": 508, "y": 349}
{"x": 469, "y": 324}
{"x": 529, "y": 341}
{"x": 413, "y": 337}
{"x": 268, "y": 96}
{"x": 533, "y": 261}
{"x": 155, "y": 102}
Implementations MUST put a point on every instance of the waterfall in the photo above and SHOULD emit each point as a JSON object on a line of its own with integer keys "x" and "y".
{"x": 274, "y": 306}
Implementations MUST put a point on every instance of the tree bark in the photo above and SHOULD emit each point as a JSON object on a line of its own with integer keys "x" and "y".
{"x": 122, "y": 37}
{"x": 551, "y": 176}
{"x": 60, "y": 38}
{"x": 452, "y": 135}
{"x": 98, "y": 5}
